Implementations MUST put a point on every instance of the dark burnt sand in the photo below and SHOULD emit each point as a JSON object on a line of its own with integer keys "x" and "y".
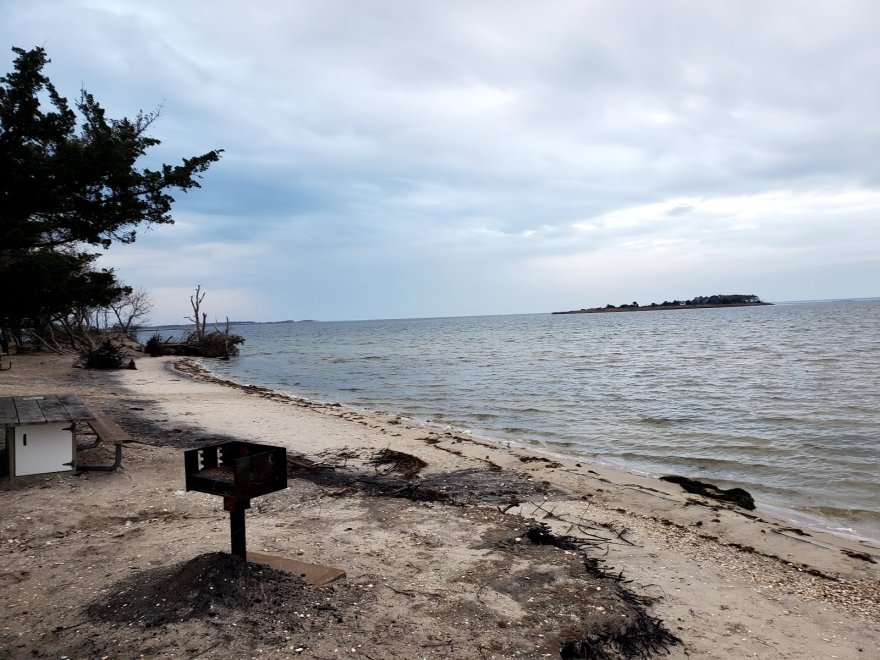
{"x": 452, "y": 548}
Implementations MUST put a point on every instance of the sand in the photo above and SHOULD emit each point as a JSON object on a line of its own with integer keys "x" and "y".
{"x": 473, "y": 551}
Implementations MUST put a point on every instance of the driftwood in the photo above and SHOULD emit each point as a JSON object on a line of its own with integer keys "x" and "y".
{"x": 215, "y": 344}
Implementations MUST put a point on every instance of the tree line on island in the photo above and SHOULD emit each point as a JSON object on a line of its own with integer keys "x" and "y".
{"x": 70, "y": 188}
{"x": 718, "y": 300}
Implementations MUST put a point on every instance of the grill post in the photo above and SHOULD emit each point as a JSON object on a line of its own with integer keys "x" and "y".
{"x": 237, "y": 534}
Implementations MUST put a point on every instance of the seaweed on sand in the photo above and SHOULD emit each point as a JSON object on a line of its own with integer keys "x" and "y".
{"x": 599, "y": 635}
{"x": 737, "y": 496}
{"x": 407, "y": 465}
{"x": 467, "y": 486}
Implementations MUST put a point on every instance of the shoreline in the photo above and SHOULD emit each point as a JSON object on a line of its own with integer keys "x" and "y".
{"x": 608, "y": 473}
{"x": 784, "y": 512}
{"x": 726, "y": 582}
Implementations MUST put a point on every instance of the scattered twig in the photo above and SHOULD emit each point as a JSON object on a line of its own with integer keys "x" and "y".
{"x": 404, "y": 592}
{"x": 412, "y": 592}
{"x": 63, "y": 628}
{"x": 209, "y": 648}
{"x": 548, "y": 514}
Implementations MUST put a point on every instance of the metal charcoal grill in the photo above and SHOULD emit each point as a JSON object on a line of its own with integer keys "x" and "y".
{"x": 238, "y": 471}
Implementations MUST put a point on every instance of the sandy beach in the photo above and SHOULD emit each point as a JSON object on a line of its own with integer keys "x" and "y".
{"x": 452, "y": 548}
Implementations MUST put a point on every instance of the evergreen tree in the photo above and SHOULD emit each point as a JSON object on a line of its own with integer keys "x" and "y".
{"x": 69, "y": 183}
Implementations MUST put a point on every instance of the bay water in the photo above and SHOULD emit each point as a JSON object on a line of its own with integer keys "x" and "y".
{"x": 781, "y": 400}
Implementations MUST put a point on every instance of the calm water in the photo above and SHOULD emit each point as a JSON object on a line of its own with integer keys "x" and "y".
{"x": 783, "y": 401}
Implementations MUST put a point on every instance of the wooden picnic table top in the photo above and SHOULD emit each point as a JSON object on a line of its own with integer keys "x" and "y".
{"x": 43, "y": 409}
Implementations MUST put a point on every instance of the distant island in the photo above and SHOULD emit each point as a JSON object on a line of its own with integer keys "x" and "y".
{"x": 699, "y": 302}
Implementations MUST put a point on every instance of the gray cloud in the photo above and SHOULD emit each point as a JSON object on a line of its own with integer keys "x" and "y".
{"x": 461, "y": 157}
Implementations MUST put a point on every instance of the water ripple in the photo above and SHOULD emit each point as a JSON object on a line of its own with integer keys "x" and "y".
{"x": 784, "y": 399}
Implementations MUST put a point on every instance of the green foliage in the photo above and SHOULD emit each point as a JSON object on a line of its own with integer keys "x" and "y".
{"x": 69, "y": 180}
{"x": 726, "y": 299}
{"x": 718, "y": 299}
{"x": 50, "y": 280}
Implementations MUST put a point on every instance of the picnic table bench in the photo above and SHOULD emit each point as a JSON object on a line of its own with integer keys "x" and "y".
{"x": 108, "y": 432}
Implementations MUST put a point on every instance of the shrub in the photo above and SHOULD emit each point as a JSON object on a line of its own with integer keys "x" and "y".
{"x": 109, "y": 355}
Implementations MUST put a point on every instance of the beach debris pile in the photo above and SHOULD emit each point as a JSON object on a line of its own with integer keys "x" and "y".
{"x": 349, "y": 472}
{"x": 407, "y": 465}
{"x": 111, "y": 353}
{"x": 216, "y": 344}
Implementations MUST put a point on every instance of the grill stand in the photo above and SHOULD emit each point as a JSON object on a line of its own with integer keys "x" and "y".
{"x": 239, "y": 471}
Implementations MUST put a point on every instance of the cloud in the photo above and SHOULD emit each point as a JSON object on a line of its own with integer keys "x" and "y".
{"x": 410, "y": 148}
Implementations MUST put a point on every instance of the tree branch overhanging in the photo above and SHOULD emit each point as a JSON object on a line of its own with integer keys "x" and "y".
{"x": 71, "y": 181}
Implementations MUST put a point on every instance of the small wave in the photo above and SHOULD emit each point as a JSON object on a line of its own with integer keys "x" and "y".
{"x": 518, "y": 430}
{"x": 777, "y": 419}
{"x": 862, "y": 523}
{"x": 707, "y": 464}
{"x": 663, "y": 421}
{"x": 843, "y": 513}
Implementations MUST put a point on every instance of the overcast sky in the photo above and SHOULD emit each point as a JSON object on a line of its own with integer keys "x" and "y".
{"x": 440, "y": 158}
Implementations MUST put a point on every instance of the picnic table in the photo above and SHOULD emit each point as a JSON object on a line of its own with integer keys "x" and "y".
{"x": 40, "y": 433}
